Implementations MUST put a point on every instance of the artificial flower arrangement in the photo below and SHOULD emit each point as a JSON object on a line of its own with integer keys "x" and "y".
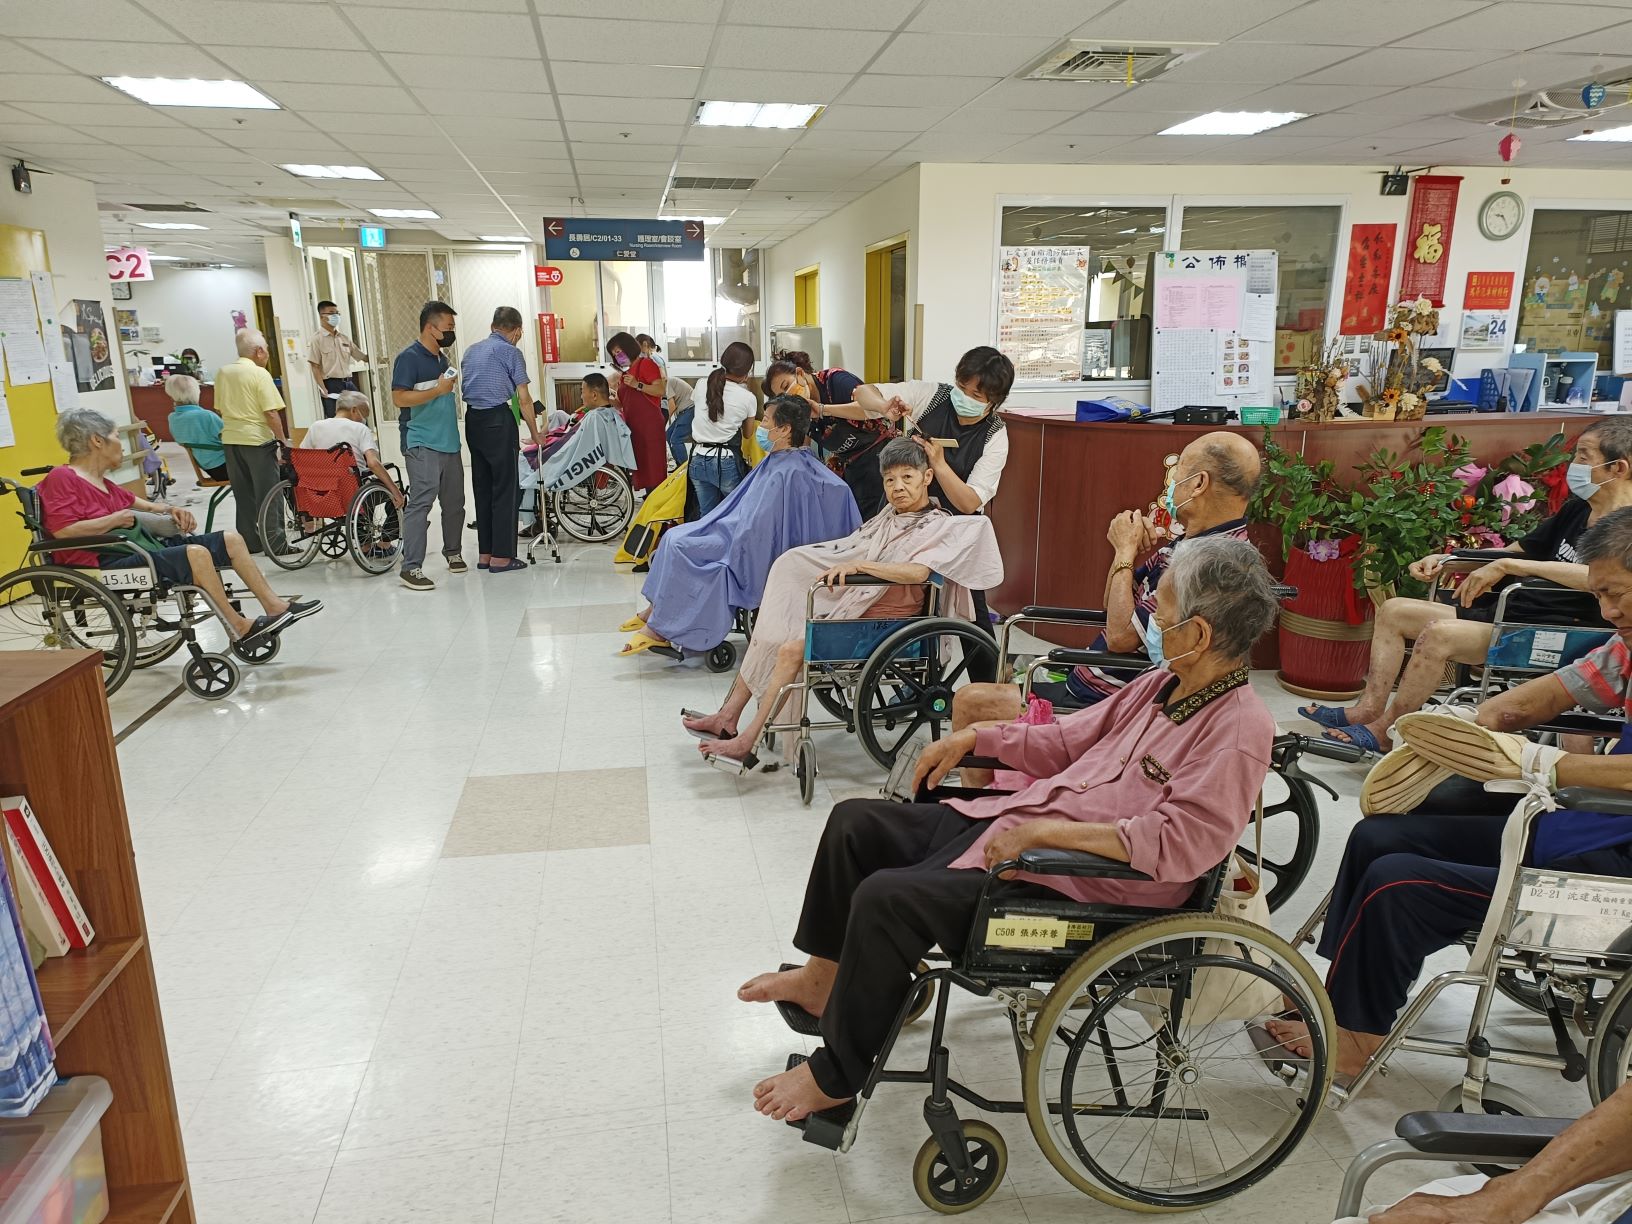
{"x": 1398, "y": 385}
{"x": 1319, "y": 388}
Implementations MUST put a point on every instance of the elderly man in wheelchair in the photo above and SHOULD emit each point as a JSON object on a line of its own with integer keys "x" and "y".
{"x": 1139, "y": 799}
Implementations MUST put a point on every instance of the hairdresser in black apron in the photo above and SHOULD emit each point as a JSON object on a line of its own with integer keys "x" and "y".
{"x": 962, "y": 411}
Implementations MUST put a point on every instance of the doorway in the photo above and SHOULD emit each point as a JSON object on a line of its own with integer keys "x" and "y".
{"x": 807, "y": 297}
{"x": 886, "y": 314}
{"x": 267, "y": 324}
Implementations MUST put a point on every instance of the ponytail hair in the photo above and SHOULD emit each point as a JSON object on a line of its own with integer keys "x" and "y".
{"x": 736, "y": 362}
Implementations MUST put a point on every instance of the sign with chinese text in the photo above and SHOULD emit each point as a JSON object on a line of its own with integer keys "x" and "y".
{"x": 1042, "y": 303}
{"x": 371, "y": 237}
{"x": 1428, "y": 237}
{"x": 544, "y": 277}
{"x": 549, "y": 339}
{"x": 1488, "y": 291}
{"x": 129, "y": 264}
{"x": 1365, "y": 288}
{"x": 599, "y": 238}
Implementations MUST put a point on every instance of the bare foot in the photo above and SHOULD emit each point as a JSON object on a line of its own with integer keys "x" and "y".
{"x": 1354, "y": 1050}
{"x": 714, "y": 724}
{"x": 792, "y": 1095}
{"x": 807, "y": 986}
{"x": 735, "y": 748}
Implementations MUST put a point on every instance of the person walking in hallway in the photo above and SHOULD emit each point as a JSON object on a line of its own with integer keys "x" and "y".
{"x": 423, "y": 380}
{"x": 494, "y": 370}
{"x": 330, "y": 356}
{"x": 251, "y": 423}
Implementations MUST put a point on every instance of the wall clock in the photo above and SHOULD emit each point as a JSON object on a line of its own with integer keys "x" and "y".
{"x": 1501, "y": 215}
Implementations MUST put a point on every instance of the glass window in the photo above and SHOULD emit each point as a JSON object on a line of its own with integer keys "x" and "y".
{"x": 1304, "y": 235}
{"x": 1575, "y": 279}
{"x": 573, "y": 302}
{"x": 688, "y": 309}
{"x": 626, "y": 298}
{"x": 736, "y": 296}
{"x": 1120, "y": 242}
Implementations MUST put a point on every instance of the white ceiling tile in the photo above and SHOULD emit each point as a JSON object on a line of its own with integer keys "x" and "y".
{"x": 440, "y": 71}
{"x": 714, "y": 140}
{"x": 314, "y": 99}
{"x": 1423, "y": 100}
{"x": 466, "y": 33}
{"x": 986, "y": 17}
{"x": 254, "y": 23}
{"x": 634, "y": 133}
{"x": 1396, "y": 66}
{"x": 322, "y": 147}
{"x": 753, "y": 46}
{"x": 393, "y": 164}
{"x": 1067, "y": 96}
{"x": 344, "y": 124}
{"x": 948, "y": 55}
{"x": 491, "y": 147}
{"x": 1165, "y": 21}
{"x": 680, "y": 44}
{"x": 823, "y": 136}
{"x": 991, "y": 122}
{"x": 34, "y": 134}
{"x": 378, "y": 143}
{"x": 770, "y": 85}
{"x": 479, "y": 103}
{"x": 1537, "y": 69}
{"x": 1616, "y": 41}
{"x": 575, "y": 77}
{"x": 96, "y": 58}
{"x": 52, "y": 88}
{"x": 836, "y": 14}
{"x": 95, "y": 115}
{"x": 308, "y": 64}
{"x": 877, "y": 90}
{"x": 1054, "y": 147}
{"x": 1360, "y": 25}
{"x": 1337, "y": 124}
{"x": 1253, "y": 63}
{"x": 593, "y": 109}
{"x": 1514, "y": 24}
{"x": 591, "y": 152}
{"x": 1196, "y": 98}
{"x": 934, "y": 146}
{"x": 223, "y": 122}
{"x": 112, "y": 19}
{"x": 845, "y": 117}
{"x": 15, "y": 57}
{"x": 643, "y": 11}
{"x": 439, "y": 8}
{"x": 1313, "y": 100}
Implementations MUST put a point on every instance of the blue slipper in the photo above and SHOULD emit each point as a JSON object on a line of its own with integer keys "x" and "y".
{"x": 514, "y": 564}
{"x": 1359, "y": 736}
{"x": 1326, "y": 716}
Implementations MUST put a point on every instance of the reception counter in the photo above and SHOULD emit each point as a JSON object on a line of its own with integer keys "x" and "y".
{"x": 152, "y": 405}
{"x": 1064, "y": 481}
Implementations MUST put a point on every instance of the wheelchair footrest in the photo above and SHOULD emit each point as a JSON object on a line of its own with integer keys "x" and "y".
{"x": 796, "y": 1017}
{"x": 827, "y": 1128}
{"x": 668, "y": 652}
{"x": 747, "y": 765}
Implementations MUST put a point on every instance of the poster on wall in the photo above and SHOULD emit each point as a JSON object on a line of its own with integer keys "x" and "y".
{"x": 86, "y": 342}
{"x": 1214, "y": 328}
{"x": 130, "y": 327}
{"x": 1428, "y": 237}
{"x": 1488, "y": 291}
{"x": 1365, "y": 288}
{"x": 1484, "y": 329}
{"x": 1041, "y": 307}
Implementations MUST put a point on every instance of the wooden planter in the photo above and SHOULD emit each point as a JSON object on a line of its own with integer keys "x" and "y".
{"x": 1324, "y": 633}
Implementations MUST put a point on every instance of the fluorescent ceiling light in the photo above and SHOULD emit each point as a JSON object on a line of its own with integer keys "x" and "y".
{"x": 164, "y": 258}
{"x": 757, "y": 114}
{"x": 1232, "y": 123}
{"x": 168, "y": 91}
{"x": 505, "y": 238}
{"x": 171, "y": 225}
{"x": 332, "y": 172}
{"x": 417, "y": 214}
{"x": 1614, "y": 133}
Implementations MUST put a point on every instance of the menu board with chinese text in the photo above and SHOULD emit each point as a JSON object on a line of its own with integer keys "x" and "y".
{"x": 1041, "y": 305}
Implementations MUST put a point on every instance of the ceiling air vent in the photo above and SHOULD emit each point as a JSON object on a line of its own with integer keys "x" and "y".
{"x": 1082, "y": 59}
{"x": 120, "y": 206}
{"x": 1559, "y": 106}
{"x": 683, "y": 183}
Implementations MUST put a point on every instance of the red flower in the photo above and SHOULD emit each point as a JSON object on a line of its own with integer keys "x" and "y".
{"x": 1467, "y": 519}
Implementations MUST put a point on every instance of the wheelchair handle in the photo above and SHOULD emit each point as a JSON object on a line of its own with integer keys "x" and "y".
{"x": 1065, "y": 616}
{"x": 36, "y": 471}
{"x": 1326, "y": 748}
{"x": 1482, "y": 554}
{"x": 1066, "y": 656}
{"x": 1047, "y": 860}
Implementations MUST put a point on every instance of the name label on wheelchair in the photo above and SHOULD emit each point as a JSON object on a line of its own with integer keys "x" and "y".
{"x": 138, "y": 578}
{"x": 1030, "y": 931}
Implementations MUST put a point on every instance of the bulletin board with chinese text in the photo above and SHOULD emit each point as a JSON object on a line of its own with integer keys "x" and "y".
{"x": 1213, "y": 337}
{"x": 30, "y": 405}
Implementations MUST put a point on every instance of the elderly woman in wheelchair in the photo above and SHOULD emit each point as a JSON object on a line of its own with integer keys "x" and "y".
{"x": 1139, "y": 800}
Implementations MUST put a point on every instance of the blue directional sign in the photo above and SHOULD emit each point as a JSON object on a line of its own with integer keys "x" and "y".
{"x": 371, "y": 237}
{"x": 599, "y": 238}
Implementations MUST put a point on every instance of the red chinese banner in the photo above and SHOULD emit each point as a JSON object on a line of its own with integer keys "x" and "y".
{"x": 1488, "y": 291}
{"x": 1428, "y": 237}
{"x": 1365, "y": 290}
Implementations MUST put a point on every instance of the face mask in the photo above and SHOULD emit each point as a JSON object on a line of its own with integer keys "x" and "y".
{"x": 1171, "y": 504}
{"x": 965, "y": 405}
{"x": 763, "y": 437}
{"x": 1578, "y": 476}
{"x": 446, "y": 339}
{"x": 331, "y": 319}
{"x": 1153, "y": 633}
{"x": 621, "y": 360}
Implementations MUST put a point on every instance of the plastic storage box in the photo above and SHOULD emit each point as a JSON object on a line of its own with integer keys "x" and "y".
{"x": 51, "y": 1169}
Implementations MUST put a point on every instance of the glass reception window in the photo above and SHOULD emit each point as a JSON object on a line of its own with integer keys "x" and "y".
{"x": 626, "y": 298}
{"x": 1575, "y": 279}
{"x": 1116, "y": 335}
{"x": 1305, "y": 238}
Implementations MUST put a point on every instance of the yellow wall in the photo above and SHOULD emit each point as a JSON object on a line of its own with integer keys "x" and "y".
{"x": 33, "y": 409}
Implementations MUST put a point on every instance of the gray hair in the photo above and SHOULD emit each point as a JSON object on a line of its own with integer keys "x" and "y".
{"x": 1613, "y": 436}
{"x": 182, "y": 388}
{"x": 248, "y": 340}
{"x": 77, "y": 427}
{"x": 351, "y": 399}
{"x": 1228, "y": 469}
{"x": 1223, "y": 581}
{"x": 1609, "y": 539}
{"x": 902, "y": 452}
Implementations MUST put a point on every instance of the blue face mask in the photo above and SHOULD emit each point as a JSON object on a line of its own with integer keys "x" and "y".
{"x": 1170, "y": 503}
{"x": 1578, "y": 476}
{"x": 763, "y": 437}
{"x": 1153, "y": 634}
{"x": 966, "y": 406}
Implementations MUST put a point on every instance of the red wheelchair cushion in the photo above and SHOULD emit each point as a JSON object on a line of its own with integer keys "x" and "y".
{"x": 325, "y": 481}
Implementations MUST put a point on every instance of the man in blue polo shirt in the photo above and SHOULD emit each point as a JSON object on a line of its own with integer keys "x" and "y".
{"x": 422, "y": 380}
{"x": 494, "y": 370}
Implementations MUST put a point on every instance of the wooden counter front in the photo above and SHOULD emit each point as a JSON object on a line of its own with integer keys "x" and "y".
{"x": 1064, "y": 481}
{"x": 152, "y": 405}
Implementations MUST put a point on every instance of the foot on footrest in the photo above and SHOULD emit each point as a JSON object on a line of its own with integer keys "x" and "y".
{"x": 746, "y": 765}
{"x": 826, "y": 1128}
{"x": 796, "y": 1017}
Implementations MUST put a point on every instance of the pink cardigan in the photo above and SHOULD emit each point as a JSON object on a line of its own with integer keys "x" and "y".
{"x": 1178, "y": 782}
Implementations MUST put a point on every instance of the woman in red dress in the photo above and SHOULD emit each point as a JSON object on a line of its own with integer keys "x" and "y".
{"x": 640, "y": 389}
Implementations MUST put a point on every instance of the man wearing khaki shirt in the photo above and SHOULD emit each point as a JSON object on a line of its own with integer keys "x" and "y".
{"x": 332, "y": 353}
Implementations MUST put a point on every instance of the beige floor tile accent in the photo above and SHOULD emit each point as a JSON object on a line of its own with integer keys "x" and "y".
{"x": 576, "y": 810}
{"x": 587, "y": 618}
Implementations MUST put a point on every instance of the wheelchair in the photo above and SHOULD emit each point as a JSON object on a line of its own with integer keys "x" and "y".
{"x": 1140, "y": 1077}
{"x": 325, "y": 502}
{"x": 884, "y": 679}
{"x": 130, "y": 614}
{"x": 597, "y": 508}
{"x": 722, "y": 657}
{"x": 1570, "y": 934}
{"x": 1291, "y": 810}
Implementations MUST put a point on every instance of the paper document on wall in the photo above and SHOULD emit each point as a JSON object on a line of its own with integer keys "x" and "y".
{"x": 1243, "y": 365}
{"x": 20, "y": 334}
{"x": 1258, "y": 317}
{"x": 1263, "y": 268}
{"x": 8, "y": 436}
{"x": 1041, "y": 308}
{"x": 1186, "y": 370}
{"x": 1623, "y": 343}
{"x": 64, "y": 385}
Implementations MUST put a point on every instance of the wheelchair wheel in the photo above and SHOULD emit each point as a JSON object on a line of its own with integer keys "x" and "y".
{"x": 1610, "y": 1049}
{"x": 278, "y": 519}
{"x": 331, "y": 541}
{"x": 907, "y": 682}
{"x": 722, "y": 658}
{"x": 1144, "y": 1087}
{"x": 924, "y": 997}
{"x": 597, "y": 509}
{"x": 374, "y": 530}
{"x": 210, "y": 676}
{"x": 49, "y": 607}
{"x": 157, "y": 626}
{"x": 263, "y": 651}
{"x": 804, "y": 770}
{"x": 939, "y": 1186}
{"x": 1291, "y": 837}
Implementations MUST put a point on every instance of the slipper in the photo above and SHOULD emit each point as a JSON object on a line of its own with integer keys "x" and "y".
{"x": 633, "y": 625}
{"x": 1326, "y": 716}
{"x": 640, "y": 644}
{"x": 1399, "y": 783}
{"x": 510, "y": 567}
{"x": 1359, "y": 736}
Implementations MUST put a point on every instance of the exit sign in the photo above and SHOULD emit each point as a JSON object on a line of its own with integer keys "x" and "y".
{"x": 371, "y": 237}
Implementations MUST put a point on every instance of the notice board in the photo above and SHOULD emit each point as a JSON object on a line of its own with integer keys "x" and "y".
{"x": 1213, "y": 336}
{"x": 1042, "y": 300}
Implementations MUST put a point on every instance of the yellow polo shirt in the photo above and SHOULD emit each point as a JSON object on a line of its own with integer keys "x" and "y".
{"x": 244, "y": 394}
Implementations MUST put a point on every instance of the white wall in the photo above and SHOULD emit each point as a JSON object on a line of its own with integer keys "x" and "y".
{"x": 64, "y": 207}
{"x": 838, "y": 244}
{"x": 296, "y": 312}
{"x": 193, "y": 309}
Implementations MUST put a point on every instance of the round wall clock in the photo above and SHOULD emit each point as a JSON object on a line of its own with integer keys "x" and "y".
{"x": 1501, "y": 215}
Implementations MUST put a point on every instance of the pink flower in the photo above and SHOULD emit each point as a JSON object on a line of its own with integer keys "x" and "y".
{"x": 1510, "y": 489}
{"x": 1323, "y": 550}
{"x": 1486, "y": 538}
{"x": 1470, "y": 474}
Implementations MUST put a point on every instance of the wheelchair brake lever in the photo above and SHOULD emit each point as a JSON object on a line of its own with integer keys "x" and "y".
{"x": 1288, "y": 763}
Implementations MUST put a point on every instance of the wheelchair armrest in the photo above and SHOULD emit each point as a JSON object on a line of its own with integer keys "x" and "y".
{"x": 1482, "y": 554}
{"x": 1069, "y": 616}
{"x": 1496, "y": 1136}
{"x": 1046, "y": 860}
{"x": 1590, "y": 799}
{"x": 1066, "y": 657}
{"x": 82, "y": 542}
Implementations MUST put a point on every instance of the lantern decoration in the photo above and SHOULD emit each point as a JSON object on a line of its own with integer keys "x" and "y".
{"x": 1593, "y": 95}
{"x": 1508, "y": 146}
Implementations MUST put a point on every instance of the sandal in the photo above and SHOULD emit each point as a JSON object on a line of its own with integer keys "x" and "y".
{"x": 633, "y": 625}
{"x": 1358, "y": 736}
{"x": 1325, "y": 716}
{"x": 640, "y": 644}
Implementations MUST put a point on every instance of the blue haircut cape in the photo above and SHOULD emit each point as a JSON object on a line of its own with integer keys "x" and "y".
{"x": 703, "y": 571}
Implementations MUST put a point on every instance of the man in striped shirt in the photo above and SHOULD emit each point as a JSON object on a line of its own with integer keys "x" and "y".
{"x": 494, "y": 371}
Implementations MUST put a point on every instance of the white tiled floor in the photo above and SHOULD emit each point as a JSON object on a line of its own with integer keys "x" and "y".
{"x": 362, "y": 1030}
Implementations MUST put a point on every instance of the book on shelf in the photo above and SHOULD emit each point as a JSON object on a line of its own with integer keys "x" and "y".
{"x": 41, "y": 930}
{"x": 27, "y": 1053}
{"x": 35, "y": 850}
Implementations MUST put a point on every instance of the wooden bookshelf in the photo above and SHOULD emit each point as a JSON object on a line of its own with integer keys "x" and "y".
{"x": 56, "y": 747}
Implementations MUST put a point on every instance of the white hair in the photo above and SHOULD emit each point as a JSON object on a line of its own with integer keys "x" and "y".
{"x": 350, "y": 400}
{"x": 1224, "y": 582}
{"x": 182, "y": 388}
{"x": 77, "y": 427}
{"x": 249, "y": 340}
